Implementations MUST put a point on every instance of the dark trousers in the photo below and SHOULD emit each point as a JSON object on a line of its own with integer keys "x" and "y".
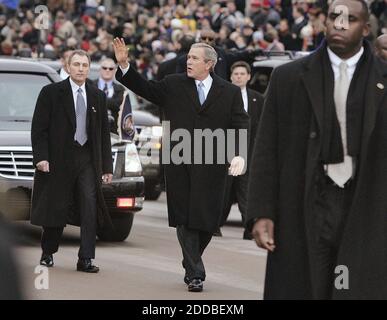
{"x": 330, "y": 212}
{"x": 236, "y": 191}
{"x": 84, "y": 186}
{"x": 193, "y": 243}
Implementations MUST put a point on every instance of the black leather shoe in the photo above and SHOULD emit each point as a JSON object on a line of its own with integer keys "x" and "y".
{"x": 196, "y": 285}
{"x": 247, "y": 235}
{"x": 47, "y": 260}
{"x": 85, "y": 265}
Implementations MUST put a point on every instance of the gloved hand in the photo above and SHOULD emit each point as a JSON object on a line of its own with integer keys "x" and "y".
{"x": 236, "y": 166}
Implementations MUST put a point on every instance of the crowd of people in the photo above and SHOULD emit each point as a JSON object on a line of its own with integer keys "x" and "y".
{"x": 152, "y": 28}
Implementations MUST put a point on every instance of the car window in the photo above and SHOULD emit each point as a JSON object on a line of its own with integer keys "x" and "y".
{"x": 19, "y": 93}
{"x": 260, "y": 79}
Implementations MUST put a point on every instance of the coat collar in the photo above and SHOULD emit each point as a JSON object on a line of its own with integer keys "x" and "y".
{"x": 68, "y": 101}
{"x": 312, "y": 79}
{"x": 213, "y": 94}
{"x": 313, "y": 82}
{"x": 376, "y": 91}
{"x": 252, "y": 102}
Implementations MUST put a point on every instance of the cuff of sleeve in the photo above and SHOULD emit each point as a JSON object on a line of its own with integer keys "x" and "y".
{"x": 124, "y": 70}
{"x": 250, "y": 224}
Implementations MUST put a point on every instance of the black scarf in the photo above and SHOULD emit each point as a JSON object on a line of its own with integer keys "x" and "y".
{"x": 332, "y": 147}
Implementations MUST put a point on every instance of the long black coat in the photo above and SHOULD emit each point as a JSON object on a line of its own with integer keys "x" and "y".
{"x": 195, "y": 192}
{"x": 284, "y": 178}
{"x": 255, "y": 104}
{"x": 52, "y": 134}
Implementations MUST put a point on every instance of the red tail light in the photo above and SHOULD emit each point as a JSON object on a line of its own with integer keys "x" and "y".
{"x": 125, "y": 202}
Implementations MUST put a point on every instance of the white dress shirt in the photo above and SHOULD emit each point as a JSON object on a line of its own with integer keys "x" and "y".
{"x": 63, "y": 74}
{"x": 245, "y": 99}
{"x": 74, "y": 88}
{"x": 351, "y": 63}
{"x": 101, "y": 86}
{"x": 207, "y": 83}
{"x": 124, "y": 70}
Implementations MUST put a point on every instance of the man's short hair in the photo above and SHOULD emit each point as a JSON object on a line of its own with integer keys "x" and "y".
{"x": 209, "y": 52}
{"x": 79, "y": 52}
{"x": 242, "y": 64}
{"x": 64, "y": 49}
{"x": 107, "y": 59}
{"x": 365, "y": 9}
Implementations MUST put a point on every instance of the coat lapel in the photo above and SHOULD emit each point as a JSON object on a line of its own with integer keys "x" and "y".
{"x": 213, "y": 94}
{"x": 251, "y": 106}
{"x": 216, "y": 89}
{"x": 67, "y": 101}
{"x": 312, "y": 79}
{"x": 92, "y": 104}
{"x": 376, "y": 90}
{"x": 190, "y": 88}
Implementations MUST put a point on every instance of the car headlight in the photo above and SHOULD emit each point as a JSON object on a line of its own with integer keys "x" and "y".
{"x": 147, "y": 133}
{"x": 132, "y": 161}
{"x": 157, "y": 131}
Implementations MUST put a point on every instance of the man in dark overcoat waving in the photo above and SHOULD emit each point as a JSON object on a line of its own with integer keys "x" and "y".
{"x": 317, "y": 193}
{"x": 196, "y": 100}
{"x": 72, "y": 154}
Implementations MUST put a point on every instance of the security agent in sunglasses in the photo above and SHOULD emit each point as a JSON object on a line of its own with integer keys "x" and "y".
{"x": 113, "y": 91}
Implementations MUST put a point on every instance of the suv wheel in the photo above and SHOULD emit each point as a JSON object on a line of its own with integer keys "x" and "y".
{"x": 122, "y": 226}
{"x": 152, "y": 190}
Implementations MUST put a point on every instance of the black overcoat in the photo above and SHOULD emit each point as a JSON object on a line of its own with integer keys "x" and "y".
{"x": 284, "y": 180}
{"x": 195, "y": 192}
{"x": 52, "y": 135}
{"x": 255, "y": 104}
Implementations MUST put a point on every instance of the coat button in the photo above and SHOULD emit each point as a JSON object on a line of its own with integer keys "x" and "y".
{"x": 313, "y": 135}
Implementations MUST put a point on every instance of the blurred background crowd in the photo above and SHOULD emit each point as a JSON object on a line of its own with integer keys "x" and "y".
{"x": 152, "y": 28}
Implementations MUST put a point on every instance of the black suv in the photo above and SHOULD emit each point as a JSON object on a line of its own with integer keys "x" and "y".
{"x": 20, "y": 84}
{"x": 264, "y": 65}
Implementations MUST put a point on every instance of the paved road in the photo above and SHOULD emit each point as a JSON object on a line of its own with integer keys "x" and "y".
{"x": 147, "y": 265}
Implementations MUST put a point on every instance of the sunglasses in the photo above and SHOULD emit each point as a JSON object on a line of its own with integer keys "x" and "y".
{"x": 106, "y": 68}
{"x": 207, "y": 38}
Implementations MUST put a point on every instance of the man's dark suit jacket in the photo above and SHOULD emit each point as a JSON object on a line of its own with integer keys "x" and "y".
{"x": 255, "y": 105}
{"x": 113, "y": 104}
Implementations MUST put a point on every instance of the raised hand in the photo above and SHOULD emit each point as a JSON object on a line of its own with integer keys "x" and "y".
{"x": 121, "y": 52}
